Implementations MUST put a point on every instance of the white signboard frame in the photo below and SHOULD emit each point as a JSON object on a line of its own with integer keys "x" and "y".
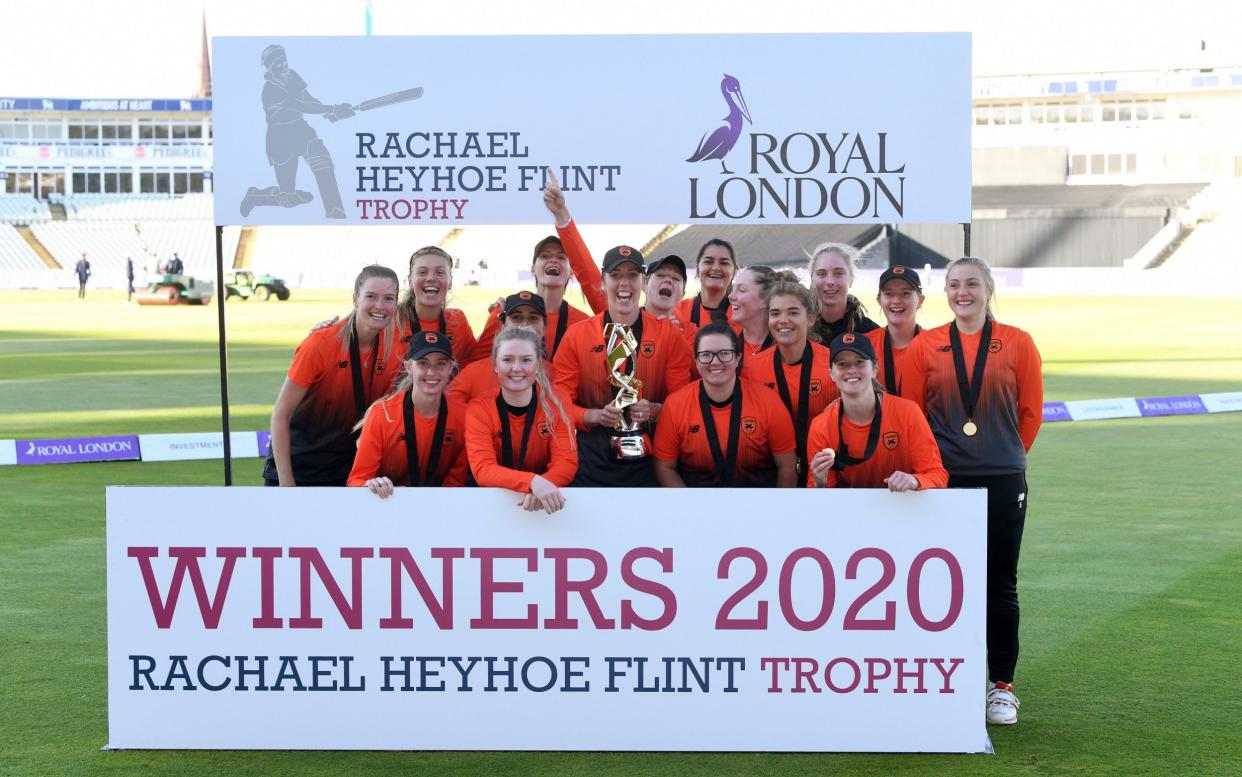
{"x": 591, "y": 616}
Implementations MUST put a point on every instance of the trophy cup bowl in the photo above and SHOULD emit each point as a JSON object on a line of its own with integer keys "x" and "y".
{"x": 629, "y": 442}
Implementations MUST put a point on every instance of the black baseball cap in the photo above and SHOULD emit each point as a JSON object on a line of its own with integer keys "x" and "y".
{"x": 672, "y": 260}
{"x": 620, "y": 255}
{"x": 851, "y": 341}
{"x": 901, "y": 272}
{"x": 542, "y": 244}
{"x": 528, "y": 298}
{"x": 423, "y": 343}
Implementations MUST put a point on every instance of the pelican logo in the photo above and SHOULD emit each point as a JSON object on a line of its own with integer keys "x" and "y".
{"x": 545, "y": 431}
{"x": 722, "y": 139}
{"x": 694, "y": 428}
{"x": 899, "y": 270}
{"x": 848, "y": 338}
{"x": 648, "y": 348}
{"x": 749, "y": 424}
{"x": 431, "y": 338}
{"x": 624, "y": 250}
{"x": 891, "y": 440}
{"x": 994, "y": 346}
{"x": 523, "y": 295}
{"x": 816, "y": 387}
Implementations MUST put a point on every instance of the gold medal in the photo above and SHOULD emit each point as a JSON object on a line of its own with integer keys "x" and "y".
{"x": 969, "y": 428}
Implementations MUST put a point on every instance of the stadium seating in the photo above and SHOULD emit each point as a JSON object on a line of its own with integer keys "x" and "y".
{"x": 23, "y": 209}
{"x": 15, "y": 254}
{"x": 138, "y": 207}
{"x": 107, "y": 244}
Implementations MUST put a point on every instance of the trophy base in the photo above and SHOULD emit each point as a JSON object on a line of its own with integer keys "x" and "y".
{"x": 630, "y": 446}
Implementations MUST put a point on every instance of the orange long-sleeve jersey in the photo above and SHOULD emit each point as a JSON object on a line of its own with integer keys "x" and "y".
{"x": 476, "y": 379}
{"x": 695, "y": 317}
{"x": 581, "y": 375}
{"x": 1010, "y": 407}
{"x": 821, "y": 390}
{"x": 905, "y": 444}
{"x": 766, "y": 429}
{"x": 454, "y": 324}
{"x": 382, "y": 448}
{"x": 901, "y": 356}
{"x": 551, "y": 451}
{"x": 321, "y": 441}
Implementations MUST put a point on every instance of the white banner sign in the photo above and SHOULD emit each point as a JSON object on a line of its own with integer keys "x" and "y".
{"x": 747, "y": 129}
{"x": 185, "y": 446}
{"x": 194, "y": 155}
{"x": 447, "y": 619}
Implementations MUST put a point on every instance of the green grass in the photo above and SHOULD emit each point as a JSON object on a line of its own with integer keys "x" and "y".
{"x": 1130, "y": 584}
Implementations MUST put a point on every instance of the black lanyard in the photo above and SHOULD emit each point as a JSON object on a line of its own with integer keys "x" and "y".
{"x": 637, "y": 330}
{"x": 429, "y": 478}
{"x": 844, "y": 459}
{"x": 969, "y": 390}
{"x": 890, "y": 372}
{"x": 804, "y": 400}
{"x": 506, "y": 435}
{"x": 417, "y": 326}
{"x": 726, "y": 462}
{"x": 562, "y": 324}
{"x": 720, "y": 313}
{"x": 355, "y": 367}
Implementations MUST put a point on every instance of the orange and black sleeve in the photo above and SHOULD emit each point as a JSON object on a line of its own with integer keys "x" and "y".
{"x": 589, "y": 278}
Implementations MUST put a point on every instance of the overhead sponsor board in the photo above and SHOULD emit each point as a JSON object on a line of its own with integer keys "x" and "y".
{"x": 746, "y": 129}
{"x": 66, "y": 450}
{"x": 124, "y": 153}
{"x": 119, "y": 105}
{"x": 643, "y": 619}
{"x": 197, "y": 445}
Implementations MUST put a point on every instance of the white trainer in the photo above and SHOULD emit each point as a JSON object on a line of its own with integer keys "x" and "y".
{"x": 1002, "y": 705}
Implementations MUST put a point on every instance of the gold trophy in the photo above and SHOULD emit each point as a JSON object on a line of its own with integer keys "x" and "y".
{"x": 628, "y": 441}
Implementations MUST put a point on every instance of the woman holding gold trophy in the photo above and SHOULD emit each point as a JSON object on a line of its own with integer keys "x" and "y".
{"x": 614, "y": 370}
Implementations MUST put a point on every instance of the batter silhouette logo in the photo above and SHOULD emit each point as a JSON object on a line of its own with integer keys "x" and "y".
{"x": 287, "y": 101}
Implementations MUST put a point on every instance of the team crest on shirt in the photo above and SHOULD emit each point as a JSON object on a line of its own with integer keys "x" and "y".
{"x": 890, "y": 440}
{"x": 449, "y": 434}
{"x": 647, "y": 348}
{"x": 694, "y": 428}
{"x": 544, "y": 430}
{"x": 343, "y": 363}
{"x": 994, "y": 346}
{"x": 597, "y": 348}
{"x": 816, "y": 387}
{"x": 749, "y": 424}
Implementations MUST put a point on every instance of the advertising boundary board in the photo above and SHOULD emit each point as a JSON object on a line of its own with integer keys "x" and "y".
{"x": 448, "y": 619}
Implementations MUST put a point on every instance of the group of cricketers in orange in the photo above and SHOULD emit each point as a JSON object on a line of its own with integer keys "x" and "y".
{"x": 757, "y": 380}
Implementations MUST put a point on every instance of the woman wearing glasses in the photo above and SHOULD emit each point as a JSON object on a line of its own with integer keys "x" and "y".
{"x": 724, "y": 430}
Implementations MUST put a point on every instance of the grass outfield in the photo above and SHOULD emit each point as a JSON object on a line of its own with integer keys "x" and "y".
{"x": 1132, "y": 601}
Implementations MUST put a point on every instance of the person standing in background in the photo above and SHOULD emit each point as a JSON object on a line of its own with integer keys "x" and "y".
{"x": 129, "y": 279}
{"x": 83, "y": 270}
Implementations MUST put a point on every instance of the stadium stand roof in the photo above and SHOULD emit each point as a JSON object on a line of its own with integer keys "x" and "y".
{"x": 1082, "y": 197}
{"x": 774, "y": 245}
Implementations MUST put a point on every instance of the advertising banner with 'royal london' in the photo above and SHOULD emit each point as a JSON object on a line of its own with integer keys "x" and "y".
{"x": 643, "y": 129}
{"x": 448, "y": 619}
